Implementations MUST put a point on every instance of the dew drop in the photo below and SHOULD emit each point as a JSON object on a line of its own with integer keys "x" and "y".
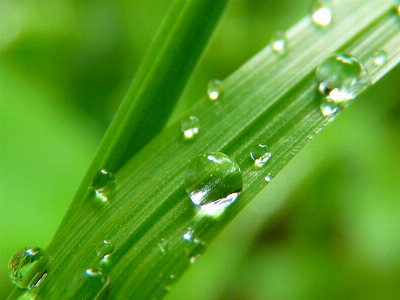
{"x": 215, "y": 89}
{"x": 268, "y": 178}
{"x": 379, "y": 57}
{"x": 260, "y": 154}
{"x": 213, "y": 181}
{"x": 188, "y": 234}
{"x": 162, "y": 245}
{"x": 190, "y": 127}
{"x": 321, "y": 13}
{"x": 197, "y": 250}
{"x": 341, "y": 78}
{"x": 102, "y": 183}
{"x": 279, "y": 42}
{"x": 28, "y": 267}
{"x": 104, "y": 250}
{"x": 328, "y": 108}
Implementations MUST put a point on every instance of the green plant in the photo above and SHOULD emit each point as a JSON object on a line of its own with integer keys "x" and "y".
{"x": 285, "y": 113}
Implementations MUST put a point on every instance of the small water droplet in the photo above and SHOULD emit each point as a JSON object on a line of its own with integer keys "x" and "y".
{"x": 213, "y": 181}
{"x": 162, "y": 245}
{"x": 260, "y": 154}
{"x": 328, "y": 108}
{"x": 268, "y": 178}
{"x": 379, "y": 56}
{"x": 28, "y": 267}
{"x": 198, "y": 249}
{"x": 104, "y": 250}
{"x": 321, "y": 12}
{"x": 102, "y": 183}
{"x": 279, "y": 42}
{"x": 215, "y": 89}
{"x": 341, "y": 78}
{"x": 188, "y": 234}
{"x": 190, "y": 127}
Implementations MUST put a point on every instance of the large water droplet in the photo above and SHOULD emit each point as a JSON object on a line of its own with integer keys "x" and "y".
{"x": 215, "y": 89}
{"x": 379, "y": 57}
{"x": 341, "y": 78}
{"x": 213, "y": 181}
{"x": 321, "y": 12}
{"x": 260, "y": 154}
{"x": 190, "y": 127}
{"x": 104, "y": 250}
{"x": 102, "y": 183}
{"x": 28, "y": 267}
{"x": 279, "y": 42}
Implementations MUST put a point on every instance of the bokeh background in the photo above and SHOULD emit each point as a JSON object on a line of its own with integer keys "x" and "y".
{"x": 331, "y": 226}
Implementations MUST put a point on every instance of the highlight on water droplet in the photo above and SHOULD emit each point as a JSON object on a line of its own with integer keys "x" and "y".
{"x": 215, "y": 89}
{"x": 104, "y": 250}
{"x": 187, "y": 237}
{"x": 213, "y": 181}
{"x": 260, "y": 154}
{"x": 102, "y": 183}
{"x": 268, "y": 178}
{"x": 341, "y": 78}
{"x": 328, "y": 108}
{"x": 162, "y": 245}
{"x": 28, "y": 267}
{"x": 379, "y": 57}
{"x": 279, "y": 42}
{"x": 321, "y": 12}
{"x": 190, "y": 127}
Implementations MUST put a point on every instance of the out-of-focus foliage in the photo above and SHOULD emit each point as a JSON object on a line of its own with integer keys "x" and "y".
{"x": 66, "y": 65}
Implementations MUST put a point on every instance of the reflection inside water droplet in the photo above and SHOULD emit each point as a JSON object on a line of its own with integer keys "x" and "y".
{"x": 28, "y": 267}
{"x": 213, "y": 181}
{"x": 321, "y": 13}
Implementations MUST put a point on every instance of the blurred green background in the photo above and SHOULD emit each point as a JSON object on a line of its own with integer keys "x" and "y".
{"x": 327, "y": 227}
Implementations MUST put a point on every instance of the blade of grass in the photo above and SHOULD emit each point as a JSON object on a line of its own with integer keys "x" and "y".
{"x": 157, "y": 86}
{"x": 270, "y": 99}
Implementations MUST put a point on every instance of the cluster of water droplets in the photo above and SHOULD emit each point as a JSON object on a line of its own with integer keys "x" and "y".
{"x": 28, "y": 267}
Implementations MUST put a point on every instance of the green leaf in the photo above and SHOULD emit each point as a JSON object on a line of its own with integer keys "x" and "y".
{"x": 149, "y": 217}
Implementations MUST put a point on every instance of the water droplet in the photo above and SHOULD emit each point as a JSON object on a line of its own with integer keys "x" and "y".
{"x": 328, "y": 108}
{"x": 104, "y": 250}
{"x": 28, "y": 267}
{"x": 215, "y": 89}
{"x": 279, "y": 42}
{"x": 102, "y": 183}
{"x": 268, "y": 178}
{"x": 341, "y": 78}
{"x": 190, "y": 127}
{"x": 188, "y": 234}
{"x": 260, "y": 154}
{"x": 379, "y": 56}
{"x": 321, "y": 12}
{"x": 213, "y": 181}
{"x": 163, "y": 246}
